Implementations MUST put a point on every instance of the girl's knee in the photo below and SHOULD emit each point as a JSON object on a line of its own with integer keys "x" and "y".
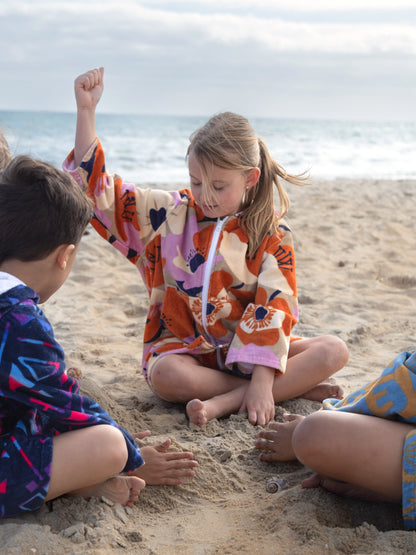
{"x": 336, "y": 351}
{"x": 162, "y": 379}
{"x": 172, "y": 378}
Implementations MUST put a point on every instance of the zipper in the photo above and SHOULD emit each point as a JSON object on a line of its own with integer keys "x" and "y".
{"x": 205, "y": 288}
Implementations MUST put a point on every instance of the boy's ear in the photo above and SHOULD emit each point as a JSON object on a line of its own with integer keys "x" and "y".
{"x": 252, "y": 177}
{"x": 63, "y": 254}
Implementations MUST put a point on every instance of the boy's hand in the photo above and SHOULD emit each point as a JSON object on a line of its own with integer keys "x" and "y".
{"x": 163, "y": 467}
{"x": 89, "y": 88}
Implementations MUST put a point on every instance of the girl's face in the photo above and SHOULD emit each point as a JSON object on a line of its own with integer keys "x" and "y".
{"x": 229, "y": 187}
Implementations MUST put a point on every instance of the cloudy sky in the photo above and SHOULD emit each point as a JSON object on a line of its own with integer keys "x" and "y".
{"x": 335, "y": 59}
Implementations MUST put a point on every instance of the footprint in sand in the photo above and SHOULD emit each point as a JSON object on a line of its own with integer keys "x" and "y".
{"x": 403, "y": 282}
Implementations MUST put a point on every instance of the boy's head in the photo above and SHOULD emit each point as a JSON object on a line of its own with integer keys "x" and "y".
{"x": 5, "y": 155}
{"x": 41, "y": 208}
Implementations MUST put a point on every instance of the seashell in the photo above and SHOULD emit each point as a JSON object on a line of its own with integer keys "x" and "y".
{"x": 74, "y": 373}
{"x": 276, "y": 484}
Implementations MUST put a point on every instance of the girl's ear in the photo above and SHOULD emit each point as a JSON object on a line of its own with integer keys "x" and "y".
{"x": 63, "y": 254}
{"x": 252, "y": 177}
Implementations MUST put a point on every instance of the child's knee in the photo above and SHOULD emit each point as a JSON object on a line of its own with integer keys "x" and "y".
{"x": 170, "y": 378}
{"x": 115, "y": 450}
{"x": 307, "y": 437}
{"x": 161, "y": 379}
{"x": 336, "y": 351}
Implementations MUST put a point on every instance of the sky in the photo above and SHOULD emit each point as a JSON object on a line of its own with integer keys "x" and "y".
{"x": 332, "y": 59}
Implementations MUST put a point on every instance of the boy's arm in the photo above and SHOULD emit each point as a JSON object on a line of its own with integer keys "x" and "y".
{"x": 35, "y": 379}
{"x": 88, "y": 90}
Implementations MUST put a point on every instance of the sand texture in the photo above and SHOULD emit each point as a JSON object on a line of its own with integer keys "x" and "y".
{"x": 355, "y": 249}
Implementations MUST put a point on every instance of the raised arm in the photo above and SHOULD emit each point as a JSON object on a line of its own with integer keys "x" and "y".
{"x": 88, "y": 90}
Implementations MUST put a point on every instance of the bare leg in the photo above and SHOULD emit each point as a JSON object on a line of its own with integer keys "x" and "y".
{"x": 275, "y": 443}
{"x": 85, "y": 462}
{"x": 362, "y": 450}
{"x": 212, "y": 394}
{"x": 312, "y": 361}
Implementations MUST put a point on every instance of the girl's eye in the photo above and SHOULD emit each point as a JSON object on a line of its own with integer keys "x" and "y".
{"x": 195, "y": 184}
{"x": 218, "y": 188}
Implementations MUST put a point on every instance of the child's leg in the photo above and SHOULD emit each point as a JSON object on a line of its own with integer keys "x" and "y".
{"x": 212, "y": 394}
{"x": 180, "y": 378}
{"x": 311, "y": 361}
{"x": 362, "y": 450}
{"x": 85, "y": 462}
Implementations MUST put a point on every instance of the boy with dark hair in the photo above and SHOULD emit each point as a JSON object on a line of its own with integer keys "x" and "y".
{"x": 54, "y": 440}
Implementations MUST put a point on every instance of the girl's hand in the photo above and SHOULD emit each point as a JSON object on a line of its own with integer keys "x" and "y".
{"x": 89, "y": 88}
{"x": 258, "y": 401}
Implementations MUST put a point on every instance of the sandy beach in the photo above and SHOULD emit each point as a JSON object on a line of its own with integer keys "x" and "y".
{"x": 354, "y": 245}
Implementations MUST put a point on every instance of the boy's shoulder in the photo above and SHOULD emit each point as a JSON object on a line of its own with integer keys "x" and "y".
{"x": 18, "y": 298}
{"x": 21, "y": 317}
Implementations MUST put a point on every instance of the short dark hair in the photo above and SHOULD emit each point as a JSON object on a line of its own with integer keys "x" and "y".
{"x": 41, "y": 208}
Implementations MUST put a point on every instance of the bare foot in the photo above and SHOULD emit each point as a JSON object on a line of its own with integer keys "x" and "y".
{"x": 163, "y": 467}
{"x": 344, "y": 488}
{"x": 120, "y": 489}
{"x": 277, "y": 444}
{"x": 324, "y": 391}
{"x": 197, "y": 412}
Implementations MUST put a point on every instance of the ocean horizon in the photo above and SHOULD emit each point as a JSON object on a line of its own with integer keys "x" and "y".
{"x": 152, "y": 148}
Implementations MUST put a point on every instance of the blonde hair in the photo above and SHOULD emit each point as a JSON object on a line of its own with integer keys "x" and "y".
{"x": 228, "y": 141}
{"x": 5, "y": 156}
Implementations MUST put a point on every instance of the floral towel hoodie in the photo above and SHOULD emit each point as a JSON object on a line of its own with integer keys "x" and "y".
{"x": 207, "y": 298}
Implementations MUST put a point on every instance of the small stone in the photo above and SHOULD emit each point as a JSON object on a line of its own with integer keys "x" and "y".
{"x": 107, "y": 501}
{"x": 121, "y": 514}
{"x": 134, "y": 536}
{"x": 225, "y": 455}
{"x": 76, "y": 531}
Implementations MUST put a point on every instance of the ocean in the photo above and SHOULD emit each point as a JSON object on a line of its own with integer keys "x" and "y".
{"x": 151, "y": 149}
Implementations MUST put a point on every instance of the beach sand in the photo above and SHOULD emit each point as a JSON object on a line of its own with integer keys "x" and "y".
{"x": 355, "y": 250}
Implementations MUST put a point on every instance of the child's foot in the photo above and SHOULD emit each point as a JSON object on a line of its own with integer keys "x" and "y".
{"x": 344, "y": 488}
{"x": 120, "y": 489}
{"x": 323, "y": 391}
{"x": 197, "y": 412}
{"x": 277, "y": 445}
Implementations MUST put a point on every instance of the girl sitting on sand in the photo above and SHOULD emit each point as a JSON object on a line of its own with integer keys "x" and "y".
{"x": 219, "y": 267}
{"x": 368, "y": 448}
